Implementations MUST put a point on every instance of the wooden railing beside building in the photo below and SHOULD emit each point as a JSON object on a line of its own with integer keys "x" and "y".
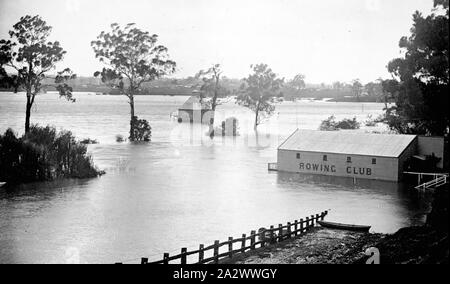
{"x": 437, "y": 180}
{"x": 245, "y": 243}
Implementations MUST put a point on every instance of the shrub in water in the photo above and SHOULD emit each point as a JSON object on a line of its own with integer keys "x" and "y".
{"x": 328, "y": 124}
{"x": 331, "y": 124}
{"x": 119, "y": 138}
{"x": 348, "y": 123}
{"x": 43, "y": 154}
{"x": 140, "y": 130}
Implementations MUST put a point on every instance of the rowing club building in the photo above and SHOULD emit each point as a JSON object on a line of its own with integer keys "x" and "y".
{"x": 353, "y": 154}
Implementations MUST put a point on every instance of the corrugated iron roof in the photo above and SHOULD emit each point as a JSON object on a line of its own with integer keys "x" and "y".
{"x": 193, "y": 103}
{"x": 348, "y": 142}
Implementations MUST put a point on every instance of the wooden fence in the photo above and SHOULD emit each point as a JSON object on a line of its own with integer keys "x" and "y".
{"x": 245, "y": 243}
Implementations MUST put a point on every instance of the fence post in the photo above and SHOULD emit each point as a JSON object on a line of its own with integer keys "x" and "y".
{"x": 289, "y": 230}
{"x": 262, "y": 238}
{"x": 272, "y": 239}
{"x": 216, "y": 251}
{"x": 301, "y": 226}
{"x": 144, "y": 260}
{"x": 280, "y": 232}
{"x": 323, "y": 215}
{"x": 201, "y": 253}
{"x": 252, "y": 239}
{"x": 307, "y": 224}
{"x": 230, "y": 247}
{"x": 166, "y": 258}
{"x": 243, "y": 243}
{"x": 312, "y": 220}
{"x": 295, "y": 227}
{"x": 317, "y": 218}
{"x": 183, "y": 255}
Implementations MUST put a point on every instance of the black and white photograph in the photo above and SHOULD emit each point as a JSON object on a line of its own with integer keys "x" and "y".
{"x": 246, "y": 134}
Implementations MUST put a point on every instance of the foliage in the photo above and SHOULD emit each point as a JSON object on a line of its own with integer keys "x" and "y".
{"x": 132, "y": 57}
{"x": 420, "y": 79}
{"x": 43, "y": 154}
{"x": 370, "y": 122}
{"x": 298, "y": 82}
{"x": 119, "y": 138}
{"x": 331, "y": 124}
{"x": 258, "y": 92}
{"x": 141, "y": 129}
{"x": 211, "y": 90}
{"x": 357, "y": 88}
{"x": 31, "y": 56}
{"x": 292, "y": 89}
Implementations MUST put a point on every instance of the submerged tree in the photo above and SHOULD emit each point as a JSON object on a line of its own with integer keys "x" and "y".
{"x": 292, "y": 89}
{"x": 211, "y": 90}
{"x": 259, "y": 91}
{"x": 132, "y": 58}
{"x": 420, "y": 79}
{"x": 30, "y": 56}
{"x": 357, "y": 88}
{"x": 298, "y": 82}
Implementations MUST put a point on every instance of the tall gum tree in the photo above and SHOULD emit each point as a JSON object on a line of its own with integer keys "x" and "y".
{"x": 27, "y": 57}
{"x": 259, "y": 91}
{"x": 419, "y": 86}
{"x": 211, "y": 90}
{"x": 131, "y": 57}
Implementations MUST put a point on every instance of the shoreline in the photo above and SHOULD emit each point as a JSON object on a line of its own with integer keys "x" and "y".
{"x": 427, "y": 244}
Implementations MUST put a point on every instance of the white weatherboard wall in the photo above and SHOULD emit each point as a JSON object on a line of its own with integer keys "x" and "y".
{"x": 360, "y": 167}
{"x": 389, "y": 151}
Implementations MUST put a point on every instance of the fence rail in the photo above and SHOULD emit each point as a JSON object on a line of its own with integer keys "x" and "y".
{"x": 433, "y": 183}
{"x": 246, "y": 243}
{"x": 438, "y": 179}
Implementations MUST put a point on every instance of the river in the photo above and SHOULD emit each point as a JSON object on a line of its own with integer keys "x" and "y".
{"x": 183, "y": 188}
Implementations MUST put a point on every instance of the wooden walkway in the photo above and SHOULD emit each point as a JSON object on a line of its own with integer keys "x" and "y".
{"x": 437, "y": 180}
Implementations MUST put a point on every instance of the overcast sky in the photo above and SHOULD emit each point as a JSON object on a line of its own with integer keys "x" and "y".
{"x": 327, "y": 40}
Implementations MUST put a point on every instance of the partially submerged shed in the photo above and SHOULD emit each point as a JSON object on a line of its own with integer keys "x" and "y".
{"x": 194, "y": 111}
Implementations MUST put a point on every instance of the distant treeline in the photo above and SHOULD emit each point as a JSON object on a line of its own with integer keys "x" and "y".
{"x": 371, "y": 92}
{"x": 178, "y": 87}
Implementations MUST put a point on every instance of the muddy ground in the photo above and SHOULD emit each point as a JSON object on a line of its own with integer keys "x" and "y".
{"x": 319, "y": 245}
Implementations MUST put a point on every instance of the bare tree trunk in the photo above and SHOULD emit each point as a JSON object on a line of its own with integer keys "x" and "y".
{"x": 30, "y": 98}
{"x": 257, "y": 114}
{"x": 27, "y": 115}
{"x": 132, "y": 138}
{"x": 213, "y": 108}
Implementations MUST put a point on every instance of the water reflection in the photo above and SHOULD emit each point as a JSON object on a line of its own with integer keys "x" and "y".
{"x": 183, "y": 188}
{"x": 384, "y": 205}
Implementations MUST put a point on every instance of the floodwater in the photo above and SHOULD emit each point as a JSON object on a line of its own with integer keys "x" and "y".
{"x": 183, "y": 188}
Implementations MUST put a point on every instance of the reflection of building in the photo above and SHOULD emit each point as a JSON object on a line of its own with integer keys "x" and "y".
{"x": 352, "y": 154}
{"x": 194, "y": 111}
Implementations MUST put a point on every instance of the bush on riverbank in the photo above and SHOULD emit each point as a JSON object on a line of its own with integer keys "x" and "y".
{"x": 141, "y": 130}
{"x": 330, "y": 124}
{"x": 43, "y": 154}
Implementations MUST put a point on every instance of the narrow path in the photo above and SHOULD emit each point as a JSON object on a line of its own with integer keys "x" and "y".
{"x": 319, "y": 245}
